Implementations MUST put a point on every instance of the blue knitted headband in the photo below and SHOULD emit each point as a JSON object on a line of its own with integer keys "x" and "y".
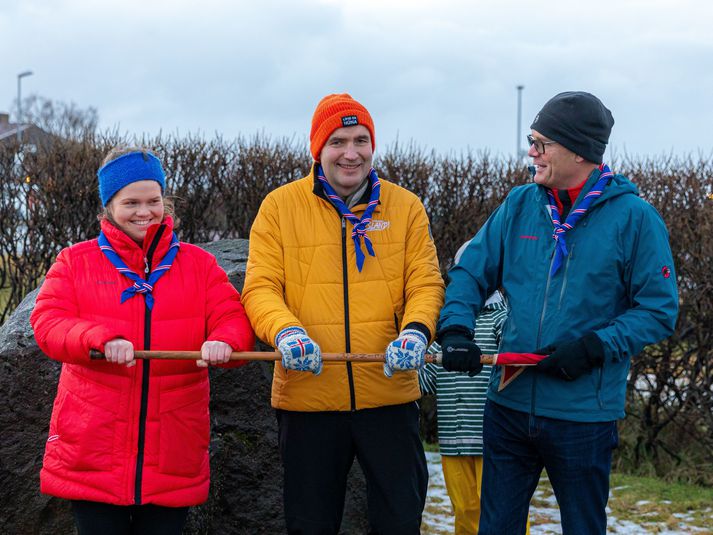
{"x": 127, "y": 169}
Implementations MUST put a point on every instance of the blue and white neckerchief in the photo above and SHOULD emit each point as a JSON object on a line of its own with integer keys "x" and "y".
{"x": 359, "y": 225}
{"x": 574, "y": 215}
{"x": 140, "y": 285}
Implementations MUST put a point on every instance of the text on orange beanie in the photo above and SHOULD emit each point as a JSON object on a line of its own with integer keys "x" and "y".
{"x": 337, "y": 111}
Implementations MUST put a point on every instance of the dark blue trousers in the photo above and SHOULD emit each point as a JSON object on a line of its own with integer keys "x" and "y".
{"x": 318, "y": 449}
{"x": 576, "y": 455}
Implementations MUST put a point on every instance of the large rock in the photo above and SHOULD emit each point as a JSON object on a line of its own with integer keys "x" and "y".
{"x": 246, "y": 475}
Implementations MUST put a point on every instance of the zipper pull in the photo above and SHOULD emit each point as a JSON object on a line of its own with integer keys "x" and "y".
{"x": 146, "y": 263}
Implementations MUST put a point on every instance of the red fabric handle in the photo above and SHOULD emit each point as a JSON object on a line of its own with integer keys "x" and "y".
{"x": 519, "y": 359}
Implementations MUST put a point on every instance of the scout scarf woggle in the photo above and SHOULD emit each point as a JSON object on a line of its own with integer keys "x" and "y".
{"x": 140, "y": 285}
{"x": 574, "y": 216}
{"x": 359, "y": 229}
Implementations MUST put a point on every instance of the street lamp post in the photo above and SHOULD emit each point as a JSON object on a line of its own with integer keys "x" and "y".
{"x": 19, "y": 101}
{"x": 519, "y": 120}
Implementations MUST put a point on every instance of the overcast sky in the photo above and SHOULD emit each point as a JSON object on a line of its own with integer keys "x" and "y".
{"x": 441, "y": 73}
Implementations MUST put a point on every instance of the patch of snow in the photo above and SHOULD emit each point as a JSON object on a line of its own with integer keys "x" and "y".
{"x": 544, "y": 517}
{"x": 438, "y": 514}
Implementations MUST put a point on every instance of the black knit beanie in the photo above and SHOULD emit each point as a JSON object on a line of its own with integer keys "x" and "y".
{"x": 578, "y": 121}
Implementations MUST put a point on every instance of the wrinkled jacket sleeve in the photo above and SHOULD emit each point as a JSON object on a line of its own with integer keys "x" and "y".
{"x": 226, "y": 320}
{"x": 59, "y": 330}
{"x": 476, "y": 275}
{"x": 423, "y": 283}
{"x": 653, "y": 295}
{"x": 264, "y": 289}
{"x": 427, "y": 378}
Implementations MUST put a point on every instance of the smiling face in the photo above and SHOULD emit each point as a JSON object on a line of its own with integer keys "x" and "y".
{"x": 346, "y": 158}
{"x": 135, "y": 207}
{"x": 558, "y": 167}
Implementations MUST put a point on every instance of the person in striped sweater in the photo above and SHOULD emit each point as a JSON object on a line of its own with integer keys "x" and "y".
{"x": 460, "y": 401}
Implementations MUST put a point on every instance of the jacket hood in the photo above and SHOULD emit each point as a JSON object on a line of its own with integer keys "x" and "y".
{"x": 617, "y": 186}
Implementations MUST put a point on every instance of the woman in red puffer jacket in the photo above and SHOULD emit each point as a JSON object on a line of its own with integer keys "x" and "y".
{"x": 128, "y": 440}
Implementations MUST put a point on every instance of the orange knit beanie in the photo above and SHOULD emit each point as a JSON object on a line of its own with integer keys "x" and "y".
{"x": 336, "y": 111}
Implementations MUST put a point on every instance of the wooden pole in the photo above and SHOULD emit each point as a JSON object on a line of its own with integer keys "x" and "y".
{"x": 274, "y": 355}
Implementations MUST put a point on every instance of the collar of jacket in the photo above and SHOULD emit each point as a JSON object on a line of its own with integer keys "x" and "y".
{"x": 360, "y": 206}
{"x": 130, "y": 251}
{"x": 588, "y": 185}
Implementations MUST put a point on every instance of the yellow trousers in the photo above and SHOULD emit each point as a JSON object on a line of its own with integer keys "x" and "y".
{"x": 464, "y": 475}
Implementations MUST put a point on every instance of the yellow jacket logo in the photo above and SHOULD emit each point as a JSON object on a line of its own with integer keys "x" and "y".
{"x": 377, "y": 224}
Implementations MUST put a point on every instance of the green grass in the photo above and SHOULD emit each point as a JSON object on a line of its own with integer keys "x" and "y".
{"x": 4, "y": 297}
{"x": 652, "y": 503}
{"x": 4, "y": 290}
{"x": 430, "y": 446}
{"x": 655, "y": 500}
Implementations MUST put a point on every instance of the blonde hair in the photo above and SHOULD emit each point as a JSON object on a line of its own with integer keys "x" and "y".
{"x": 120, "y": 150}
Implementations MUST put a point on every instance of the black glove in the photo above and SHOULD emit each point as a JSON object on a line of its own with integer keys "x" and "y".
{"x": 571, "y": 360}
{"x": 460, "y": 352}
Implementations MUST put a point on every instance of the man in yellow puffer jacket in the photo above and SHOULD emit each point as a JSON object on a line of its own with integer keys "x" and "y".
{"x": 343, "y": 261}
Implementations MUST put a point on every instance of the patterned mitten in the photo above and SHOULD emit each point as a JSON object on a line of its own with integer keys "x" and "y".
{"x": 406, "y": 352}
{"x": 299, "y": 351}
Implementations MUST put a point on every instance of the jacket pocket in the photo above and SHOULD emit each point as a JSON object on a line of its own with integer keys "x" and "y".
{"x": 82, "y": 435}
{"x": 184, "y": 431}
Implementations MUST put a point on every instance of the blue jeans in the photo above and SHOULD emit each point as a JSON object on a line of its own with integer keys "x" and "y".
{"x": 576, "y": 455}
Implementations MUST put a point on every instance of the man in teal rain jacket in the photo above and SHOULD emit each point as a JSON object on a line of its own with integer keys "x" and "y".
{"x": 588, "y": 274}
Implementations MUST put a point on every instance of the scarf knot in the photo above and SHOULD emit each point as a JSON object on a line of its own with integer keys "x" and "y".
{"x": 560, "y": 229}
{"x": 140, "y": 285}
{"x": 359, "y": 226}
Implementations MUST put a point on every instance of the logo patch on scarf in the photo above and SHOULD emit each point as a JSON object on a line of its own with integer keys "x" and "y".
{"x": 350, "y": 120}
{"x": 377, "y": 224}
{"x": 666, "y": 272}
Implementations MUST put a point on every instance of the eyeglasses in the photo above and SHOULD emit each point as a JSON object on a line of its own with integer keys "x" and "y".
{"x": 539, "y": 144}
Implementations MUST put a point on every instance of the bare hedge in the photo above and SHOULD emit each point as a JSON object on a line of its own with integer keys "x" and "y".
{"x": 48, "y": 200}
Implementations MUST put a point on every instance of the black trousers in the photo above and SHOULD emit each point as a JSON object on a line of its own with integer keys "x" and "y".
{"x": 95, "y": 518}
{"x": 318, "y": 449}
